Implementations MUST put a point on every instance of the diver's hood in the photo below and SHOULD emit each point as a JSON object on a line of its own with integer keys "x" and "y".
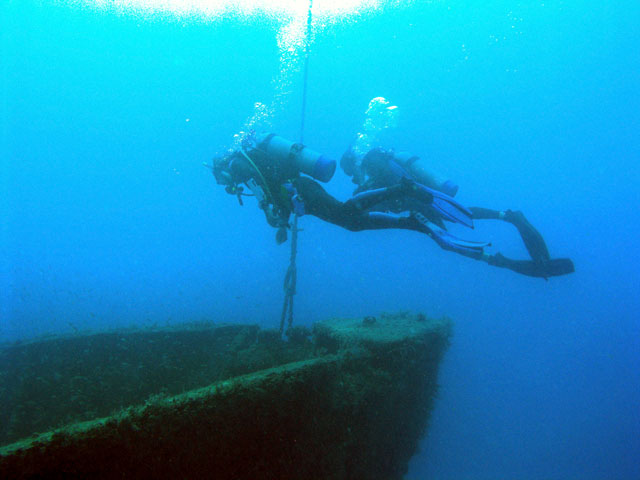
{"x": 231, "y": 169}
{"x": 220, "y": 170}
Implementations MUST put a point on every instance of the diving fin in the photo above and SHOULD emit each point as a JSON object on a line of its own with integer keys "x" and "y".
{"x": 553, "y": 267}
{"x": 281, "y": 235}
{"x": 449, "y": 208}
{"x": 448, "y": 241}
{"x": 532, "y": 239}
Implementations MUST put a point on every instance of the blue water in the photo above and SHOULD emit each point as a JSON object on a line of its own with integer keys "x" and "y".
{"x": 109, "y": 218}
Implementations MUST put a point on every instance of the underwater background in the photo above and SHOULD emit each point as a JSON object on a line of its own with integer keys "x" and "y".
{"x": 109, "y": 219}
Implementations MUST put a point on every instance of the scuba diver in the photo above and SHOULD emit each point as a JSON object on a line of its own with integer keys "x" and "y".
{"x": 271, "y": 168}
{"x": 380, "y": 170}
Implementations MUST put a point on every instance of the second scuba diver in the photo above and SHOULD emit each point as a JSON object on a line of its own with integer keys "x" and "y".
{"x": 272, "y": 168}
{"x": 380, "y": 169}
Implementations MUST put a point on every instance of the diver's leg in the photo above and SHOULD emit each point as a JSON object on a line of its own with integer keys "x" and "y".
{"x": 445, "y": 205}
{"x": 405, "y": 188}
{"x": 349, "y": 215}
{"x": 480, "y": 213}
{"x": 379, "y": 220}
{"x": 370, "y": 198}
{"x": 531, "y": 237}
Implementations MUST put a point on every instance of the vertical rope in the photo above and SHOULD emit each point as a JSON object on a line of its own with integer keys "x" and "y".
{"x": 307, "y": 43}
{"x": 290, "y": 277}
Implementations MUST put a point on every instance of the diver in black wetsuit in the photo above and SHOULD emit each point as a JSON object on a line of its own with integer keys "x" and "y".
{"x": 380, "y": 169}
{"x": 271, "y": 166}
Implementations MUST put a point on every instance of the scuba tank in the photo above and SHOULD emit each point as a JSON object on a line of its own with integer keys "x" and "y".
{"x": 308, "y": 161}
{"x": 422, "y": 174}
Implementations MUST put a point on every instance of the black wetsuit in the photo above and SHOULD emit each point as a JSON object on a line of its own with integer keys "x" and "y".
{"x": 368, "y": 213}
{"x": 317, "y": 202}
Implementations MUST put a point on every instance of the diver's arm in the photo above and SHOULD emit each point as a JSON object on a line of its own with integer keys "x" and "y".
{"x": 272, "y": 217}
{"x": 278, "y": 221}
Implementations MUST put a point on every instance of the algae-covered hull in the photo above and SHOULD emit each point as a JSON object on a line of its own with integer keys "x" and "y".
{"x": 349, "y": 401}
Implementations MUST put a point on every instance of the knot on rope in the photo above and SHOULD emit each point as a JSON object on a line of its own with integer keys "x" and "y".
{"x": 290, "y": 279}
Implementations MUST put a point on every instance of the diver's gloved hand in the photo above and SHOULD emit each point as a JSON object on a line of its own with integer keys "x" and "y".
{"x": 409, "y": 185}
{"x": 281, "y": 235}
{"x": 351, "y": 165}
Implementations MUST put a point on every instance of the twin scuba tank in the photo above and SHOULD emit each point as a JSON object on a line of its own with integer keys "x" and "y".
{"x": 322, "y": 168}
{"x": 308, "y": 161}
